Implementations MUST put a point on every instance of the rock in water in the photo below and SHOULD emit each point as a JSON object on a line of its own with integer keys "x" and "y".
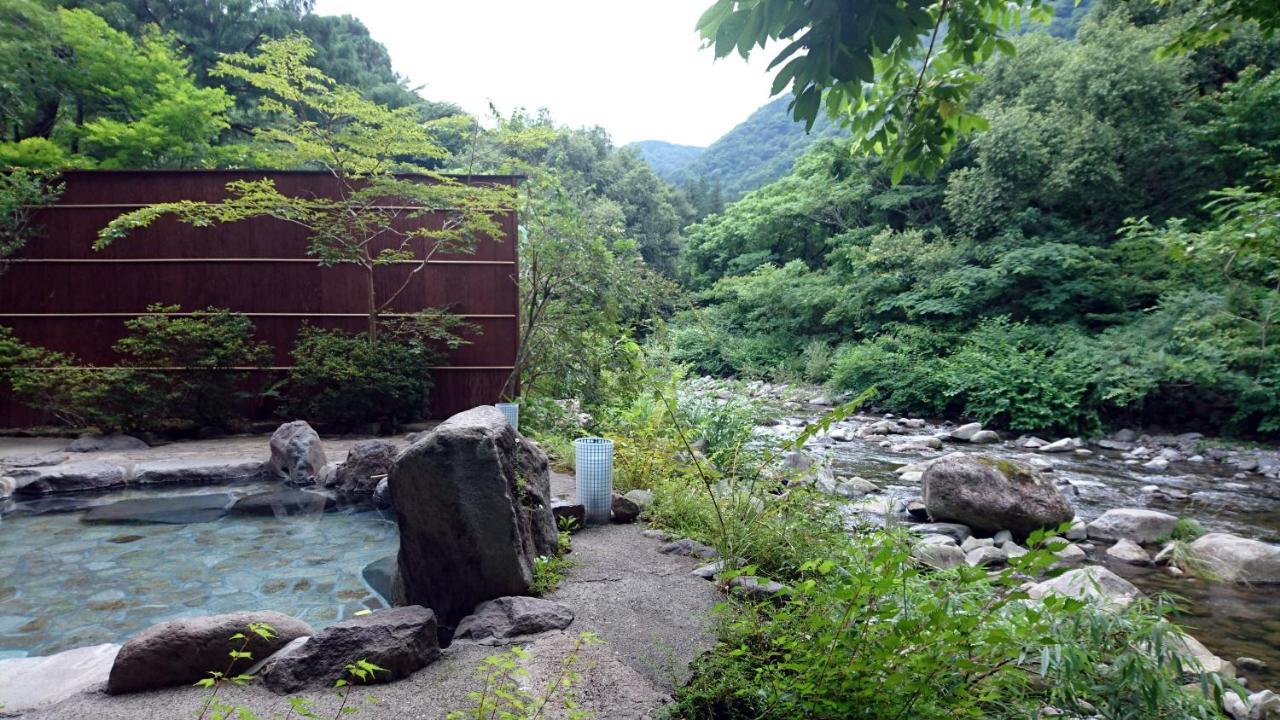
{"x": 989, "y": 494}
{"x": 511, "y": 616}
{"x": 180, "y": 652}
{"x": 297, "y": 455}
{"x": 1094, "y": 583}
{"x": 472, "y": 500}
{"x": 966, "y": 431}
{"x": 367, "y": 464}
{"x": 401, "y": 640}
{"x": 1236, "y": 559}
{"x": 1130, "y": 552}
{"x": 1136, "y": 524}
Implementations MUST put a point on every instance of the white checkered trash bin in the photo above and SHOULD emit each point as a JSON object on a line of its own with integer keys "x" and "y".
{"x": 593, "y": 465}
{"x": 512, "y": 413}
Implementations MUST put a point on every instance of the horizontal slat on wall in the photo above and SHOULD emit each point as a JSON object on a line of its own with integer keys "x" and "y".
{"x": 61, "y": 294}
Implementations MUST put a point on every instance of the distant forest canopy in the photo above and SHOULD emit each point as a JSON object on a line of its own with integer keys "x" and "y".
{"x": 1106, "y": 251}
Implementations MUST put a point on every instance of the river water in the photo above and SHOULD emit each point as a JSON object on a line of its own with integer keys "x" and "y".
{"x": 1231, "y": 620}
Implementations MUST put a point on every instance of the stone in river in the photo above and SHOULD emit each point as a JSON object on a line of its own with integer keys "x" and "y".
{"x": 992, "y": 494}
{"x": 179, "y": 510}
{"x": 1236, "y": 559}
{"x": 1130, "y": 552}
{"x": 1137, "y": 524}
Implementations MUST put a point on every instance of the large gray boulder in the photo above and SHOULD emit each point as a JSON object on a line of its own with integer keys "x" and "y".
{"x": 507, "y": 617}
{"x": 196, "y": 471}
{"x": 180, "y": 652}
{"x": 473, "y": 502}
{"x": 990, "y": 494}
{"x": 1236, "y": 559}
{"x": 68, "y": 478}
{"x": 1136, "y": 524}
{"x": 297, "y": 455}
{"x": 401, "y": 640}
{"x": 367, "y": 463}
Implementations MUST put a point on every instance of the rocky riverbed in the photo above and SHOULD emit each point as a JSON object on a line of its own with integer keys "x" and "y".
{"x": 877, "y": 460}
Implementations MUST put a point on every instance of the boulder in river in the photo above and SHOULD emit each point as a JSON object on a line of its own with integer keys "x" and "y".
{"x": 939, "y": 556}
{"x": 985, "y": 437}
{"x": 473, "y": 502}
{"x": 956, "y": 531}
{"x": 990, "y": 494}
{"x": 297, "y": 455}
{"x": 68, "y": 477}
{"x": 966, "y": 431}
{"x": 1236, "y": 559}
{"x": 1094, "y": 583}
{"x": 180, "y": 652}
{"x": 1129, "y": 551}
{"x": 400, "y": 640}
{"x": 1137, "y": 524}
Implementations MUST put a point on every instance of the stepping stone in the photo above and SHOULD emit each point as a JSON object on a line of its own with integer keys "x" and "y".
{"x": 181, "y": 510}
{"x": 197, "y": 471}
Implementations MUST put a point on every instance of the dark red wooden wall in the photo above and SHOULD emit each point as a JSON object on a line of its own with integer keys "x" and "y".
{"x": 61, "y": 294}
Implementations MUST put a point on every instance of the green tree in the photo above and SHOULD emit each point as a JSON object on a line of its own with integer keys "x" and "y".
{"x": 900, "y": 75}
{"x": 375, "y": 217}
{"x": 86, "y": 94}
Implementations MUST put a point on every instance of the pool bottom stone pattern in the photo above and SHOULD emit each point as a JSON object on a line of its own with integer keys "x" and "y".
{"x": 65, "y": 583}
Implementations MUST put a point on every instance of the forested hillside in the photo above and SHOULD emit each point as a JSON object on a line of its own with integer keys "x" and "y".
{"x": 1070, "y": 266}
{"x": 668, "y": 160}
{"x": 760, "y": 150}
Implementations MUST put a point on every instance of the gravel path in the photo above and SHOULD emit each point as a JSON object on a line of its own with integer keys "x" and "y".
{"x": 651, "y": 614}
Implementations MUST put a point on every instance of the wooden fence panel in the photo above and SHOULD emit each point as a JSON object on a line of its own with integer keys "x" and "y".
{"x": 61, "y": 294}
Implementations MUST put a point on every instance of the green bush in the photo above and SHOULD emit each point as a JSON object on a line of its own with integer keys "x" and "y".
{"x": 341, "y": 378}
{"x": 146, "y": 390}
{"x": 867, "y": 634}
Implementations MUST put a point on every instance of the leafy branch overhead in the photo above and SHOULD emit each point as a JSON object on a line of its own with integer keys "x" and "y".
{"x": 899, "y": 74}
{"x": 386, "y": 203}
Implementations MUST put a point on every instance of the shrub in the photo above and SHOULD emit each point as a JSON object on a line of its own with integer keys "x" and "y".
{"x": 867, "y": 634}
{"x": 145, "y": 391}
{"x": 341, "y": 378}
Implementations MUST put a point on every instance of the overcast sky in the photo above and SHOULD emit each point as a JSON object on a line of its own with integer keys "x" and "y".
{"x": 634, "y": 68}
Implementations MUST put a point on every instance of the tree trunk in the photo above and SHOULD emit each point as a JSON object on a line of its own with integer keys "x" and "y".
{"x": 372, "y": 299}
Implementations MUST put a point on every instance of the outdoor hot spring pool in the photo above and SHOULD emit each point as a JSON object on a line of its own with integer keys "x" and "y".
{"x": 65, "y": 583}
